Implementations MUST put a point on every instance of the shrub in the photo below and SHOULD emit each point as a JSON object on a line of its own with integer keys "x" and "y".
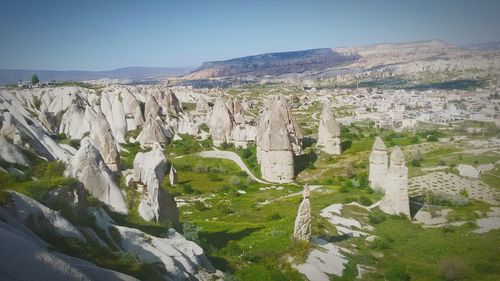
{"x": 397, "y": 272}
{"x": 453, "y": 269}
{"x": 432, "y": 138}
{"x": 234, "y": 180}
{"x": 376, "y": 217}
{"x": 225, "y": 188}
{"x": 115, "y": 234}
{"x": 225, "y": 207}
{"x": 229, "y": 277}
{"x": 50, "y": 169}
{"x": 214, "y": 177}
{"x": 365, "y": 200}
{"x": 200, "y": 206}
{"x": 381, "y": 243}
{"x": 5, "y": 198}
{"x": 187, "y": 188}
{"x": 274, "y": 217}
{"x": 191, "y": 231}
{"x": 204, "y": 127}
{"x": 415, "y": 163}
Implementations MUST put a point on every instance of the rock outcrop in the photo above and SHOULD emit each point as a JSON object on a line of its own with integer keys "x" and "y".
{"x": 302, "y": 230}
{"x": 468, "y": 171}
{"x": 132, "y": 108}
{"x": 73, "y": 122}
{"x": 274, "y": 149}
{"x": 112, "y": 108}
{"x": 396, "y": 200}
{"x": 202, "y": 105}
{"x": 284, "y": 111}
{"x": 329, "y": 132}
{"x": 156, "y": 203}
{"x": 153, "y": 132}
{"x": 379, "y": 162}
{"x": 151, "y": 108}
{"x": 172, "y": 176}
{"x": 102, "y": 138}
{"x": 11, "y": 153}
{"x": 21, "y": 221}
{"x": 88, "y": 166}
{"x": 221, "y": 123}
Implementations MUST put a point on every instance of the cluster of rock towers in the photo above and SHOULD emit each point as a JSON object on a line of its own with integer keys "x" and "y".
{"x": 279, "y": 138}
{"x": 390, "y": 177}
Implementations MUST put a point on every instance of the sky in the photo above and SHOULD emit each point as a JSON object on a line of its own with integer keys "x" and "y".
{"x": 104, "y": 35}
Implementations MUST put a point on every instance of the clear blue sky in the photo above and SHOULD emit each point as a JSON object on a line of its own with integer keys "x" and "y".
{"x": 102, "y": 35}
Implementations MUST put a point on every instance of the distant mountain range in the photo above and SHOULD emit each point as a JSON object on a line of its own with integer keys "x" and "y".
{"x": 273, "y": 63}
{"x": 130, "y": 73}
{"x": 325, "y": 62}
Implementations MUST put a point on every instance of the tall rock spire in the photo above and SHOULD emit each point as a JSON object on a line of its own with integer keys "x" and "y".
{"x": 396, "y": 200}
{"x": 379, "y": 162}
{"x": 329, "y": 132}
{"x": 303, "y": 221}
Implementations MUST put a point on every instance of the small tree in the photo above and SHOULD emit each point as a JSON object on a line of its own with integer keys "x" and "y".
{"x": 34, "y": 79}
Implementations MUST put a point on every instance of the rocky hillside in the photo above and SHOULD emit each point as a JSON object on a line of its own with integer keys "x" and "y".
{"x": 274, "y": 63}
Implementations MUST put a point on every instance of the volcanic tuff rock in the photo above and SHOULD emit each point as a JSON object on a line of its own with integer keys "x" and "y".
{"x": 88, "y": 166}
{"x": 202, "y": 105}
{"x": 302, "y": 229}
{"x": 329, "y": 132}
{"x": 274, "y": 149}
{"x": 379, "y": 162}
{"x": 73, "y": 122}
{"x": 156, "y": 203}
{"x": 396, "y": 200}
{"x": 112, "y": 108}
{"x": 11, "y": 153}
{"x": 21, "y": 221}
{"x": 153, "y": 131}
{"x": 172, "y": 176}
{"x": 220, "y": 122}
{"x": 102, "y": 139}
{"x": 152, "y": 108}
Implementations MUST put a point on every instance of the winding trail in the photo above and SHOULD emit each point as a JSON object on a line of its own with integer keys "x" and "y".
{"x": 229, "y": 155}
{"x": 311, "y": 189}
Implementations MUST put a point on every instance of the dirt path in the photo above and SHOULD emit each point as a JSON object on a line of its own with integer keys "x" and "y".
{"x": 229, "y": 155}
{"x": 311, "y": 188}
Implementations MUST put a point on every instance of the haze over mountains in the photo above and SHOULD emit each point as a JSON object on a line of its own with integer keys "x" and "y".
{"x": 322, "y": 62}
{"x": 130, "y": 73}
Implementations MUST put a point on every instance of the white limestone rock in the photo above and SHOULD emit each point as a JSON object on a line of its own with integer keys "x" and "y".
{"x": 112, "y": 108}
{"x": 172, "y": 176}
{"x": 153, "y": 132}
{"x": 202, "y": 105}
{"x": 379, "y": 163}
{"x": 156, "y": 203}
{"x": 182, "y": 259}
{"x": 329, "y": 132}
{"x": 274, "y": 149}
{"x": 11, "y": 153}
{"x": 19, "y": 126}
{"x": 302, "y": 229}
{"x": 243, "y": 134}
{"x": 39, "y": 217}
{"x": 396, "y": 200}
{"x": 151, "y": 108}
{"x": 50, "y": 121}
{"x": 221, "y": 123}
{"x": 102, "y": 139}
{"x": 88, "y": 166}
{"x": 73, "y": 122}
{"x": 468, "y": 171}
